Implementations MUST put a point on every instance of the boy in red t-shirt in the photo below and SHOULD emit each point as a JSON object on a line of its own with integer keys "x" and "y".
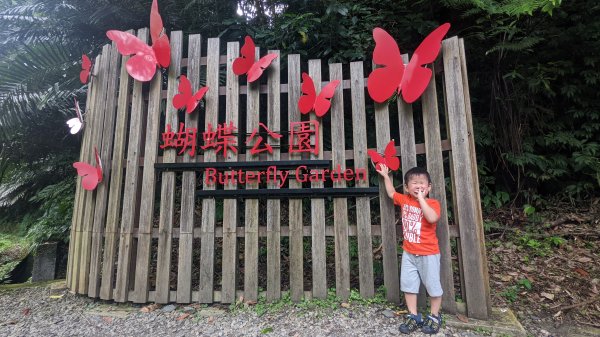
{"x": 421, "y": 256}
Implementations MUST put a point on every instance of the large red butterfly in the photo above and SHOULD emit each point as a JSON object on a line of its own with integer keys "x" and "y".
{"x": 389, "y": 157}
{"x": 90, "y": 176}
{"x": 310, "y": 101}
{"x": 245, "y": 64}
{"x": 185, "y": 97}
{"x": 86, "y": 67}
{"x": 394, "y": 76}
{"x": 142, "y": 66}
{"x": 75, "y": 124}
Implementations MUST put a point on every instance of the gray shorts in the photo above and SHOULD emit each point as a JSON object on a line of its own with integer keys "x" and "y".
{"x": 420, "y": 268}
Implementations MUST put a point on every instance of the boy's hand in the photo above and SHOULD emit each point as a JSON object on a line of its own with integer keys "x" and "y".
{"x": 383, "y": 170}
{"x": 421, "y": 194}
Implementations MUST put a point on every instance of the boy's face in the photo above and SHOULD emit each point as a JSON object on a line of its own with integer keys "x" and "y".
{"x": 417, "y": 183}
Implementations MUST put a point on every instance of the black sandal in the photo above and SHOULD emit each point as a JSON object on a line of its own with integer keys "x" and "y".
{"x": 411, "y": 323}
{"x": 432, "y": 324}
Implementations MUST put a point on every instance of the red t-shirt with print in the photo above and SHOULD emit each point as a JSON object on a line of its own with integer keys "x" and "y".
{"x": 419, "y": 235}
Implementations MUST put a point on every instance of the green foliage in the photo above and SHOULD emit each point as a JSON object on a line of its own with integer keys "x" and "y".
{"x": 13, "y": 249}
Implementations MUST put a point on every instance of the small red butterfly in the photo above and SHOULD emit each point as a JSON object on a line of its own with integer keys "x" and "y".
{"x": 90, "y": 176}
{"x": 394, "y": 76}
{"x": 86, "y": 67}
{"x": 245, "y": 64}
{"x": 310, "y": 101}
{"x": 185, "y": 97}
{"x": 142, "y": 66}
{"x": 389, "y": 157}
{"x": 76, "y": 123}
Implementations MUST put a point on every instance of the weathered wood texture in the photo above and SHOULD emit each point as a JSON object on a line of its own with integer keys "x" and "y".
{"x": 126, "y": 233}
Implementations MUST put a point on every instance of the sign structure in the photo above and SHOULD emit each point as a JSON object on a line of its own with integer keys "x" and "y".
{"x": 266, "y": 159}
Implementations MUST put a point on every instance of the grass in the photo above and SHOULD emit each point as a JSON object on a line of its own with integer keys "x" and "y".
{"x": 13, "y": 249}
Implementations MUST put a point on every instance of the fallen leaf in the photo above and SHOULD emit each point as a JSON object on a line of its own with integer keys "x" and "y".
{"x": 582, "y": 272}
{"x": 182, "y": 317}
{"x": 505, "y": 278}
{"x": 249, "y": 302}
{"x": 210, "y": 320}
{"x": 345, "y": 305}
{"x": 400, "y": 312}
{"x": 150, "y": 308}
{"x": 584, "y": 259}
{"x": 107, "y": 319}
{"x": 548, "y": 296}
{"x": 462, "y": 318}
{"x": 26, "y": 311}
{"x": 56, "y": 297}
{"x": 557, "y": 314}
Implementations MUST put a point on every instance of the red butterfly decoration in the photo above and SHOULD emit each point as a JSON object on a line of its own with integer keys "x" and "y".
{"x": 185, "y": 97}
{"x": 75, "y": 124}
{"x": 245, "y": 64}
{"x": 142, "y": 66}
{"x": 86, "y": 67}
{"x": 310, "y": 101}
{"x": 389, "y": 157}
{"x": 90, "y": 176}
{"x": 394, "y": 76}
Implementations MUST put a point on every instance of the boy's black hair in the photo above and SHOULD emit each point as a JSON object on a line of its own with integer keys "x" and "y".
{"x": 416, "y": 171}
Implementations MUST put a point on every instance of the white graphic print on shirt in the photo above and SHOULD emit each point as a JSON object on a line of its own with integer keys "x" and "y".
{"x": 411, "y": 223}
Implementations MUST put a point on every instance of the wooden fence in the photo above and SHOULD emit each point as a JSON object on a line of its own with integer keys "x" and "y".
{"x": 144, "y": 236}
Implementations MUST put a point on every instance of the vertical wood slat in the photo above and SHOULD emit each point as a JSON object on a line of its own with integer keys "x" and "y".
{"x": 317, "y": 214}
{"x": 273, "y": 205}
{"x": 386, "y": 208}
{"x": 340, "y": 205}
{"x": 295, "y": 205}
{"x": 100, "y": 210}
{"x": 363, "y": 213}
{"x": 129, "y": 216}
{"x": 230, "y": 205}
{"x": 466, "y": 201}
{"x": 90, "y": 200}
{"x": 167, "y": 191}
{"x": 147, "y": 197}
{"x": 207, "y": 230}
{"x": 251, "y": 208}
{"x": 116, "y": 183}
{"x": 435, "y": 167}
{"x": 188, "y": 184}
{"x": 473, "y": 152}
{"x": 80, "y": 193}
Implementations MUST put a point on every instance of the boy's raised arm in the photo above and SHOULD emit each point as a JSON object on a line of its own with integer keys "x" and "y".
{"x": 389, "y": 186}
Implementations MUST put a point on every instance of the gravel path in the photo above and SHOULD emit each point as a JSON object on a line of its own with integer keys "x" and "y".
{"x": 42, "y": 311}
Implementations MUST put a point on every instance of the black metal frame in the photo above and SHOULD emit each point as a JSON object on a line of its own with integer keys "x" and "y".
{"x": 290, "y": 193}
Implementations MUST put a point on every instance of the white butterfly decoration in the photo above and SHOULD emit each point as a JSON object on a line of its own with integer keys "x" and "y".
{"x": 75, "y": 124}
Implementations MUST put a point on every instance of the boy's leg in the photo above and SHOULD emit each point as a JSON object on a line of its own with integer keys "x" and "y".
{"x": 411, "y": 302}
{"x": 436, "y": 303}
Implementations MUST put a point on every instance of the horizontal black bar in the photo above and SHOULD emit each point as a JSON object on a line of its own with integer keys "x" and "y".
{"x": 248, "y": 165}
{"x": 289, "y": 193}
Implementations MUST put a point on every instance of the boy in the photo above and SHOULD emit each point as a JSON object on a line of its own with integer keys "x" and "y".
{"x": 421, "y": 257}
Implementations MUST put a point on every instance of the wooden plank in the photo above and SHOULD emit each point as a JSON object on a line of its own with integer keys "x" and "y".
{"x": 473, "y": 152}
{"x": 408, "y": 151}
{"x": 340, "y": 205}
{"x": 273, "y": 205}
{"x": 477, "y": 300}
{"x": 230, "y": 205}
{"x": 130, "y": 196}
{"x": 295, "y": 205}
{"x": 116, "y": 183}
{"x": 140, "y": 293}
{"x": 435, "y": 167}
{"x": 391, "y": 279}
{"x": 251, "y": 208}
{"x": 74, "y": 241}
{"x": 89, "y": 204}
{"x": 363, "y": 214}
{"x": 167, "y": 191}
{"x": 100, "y": 209}
{"x": 317, "y": 205}
{"x": 207, "y": 238}
{"x": 188, "y": 184}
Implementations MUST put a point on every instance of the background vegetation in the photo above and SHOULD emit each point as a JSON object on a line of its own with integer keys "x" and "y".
{"x": 533, "y": 72}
